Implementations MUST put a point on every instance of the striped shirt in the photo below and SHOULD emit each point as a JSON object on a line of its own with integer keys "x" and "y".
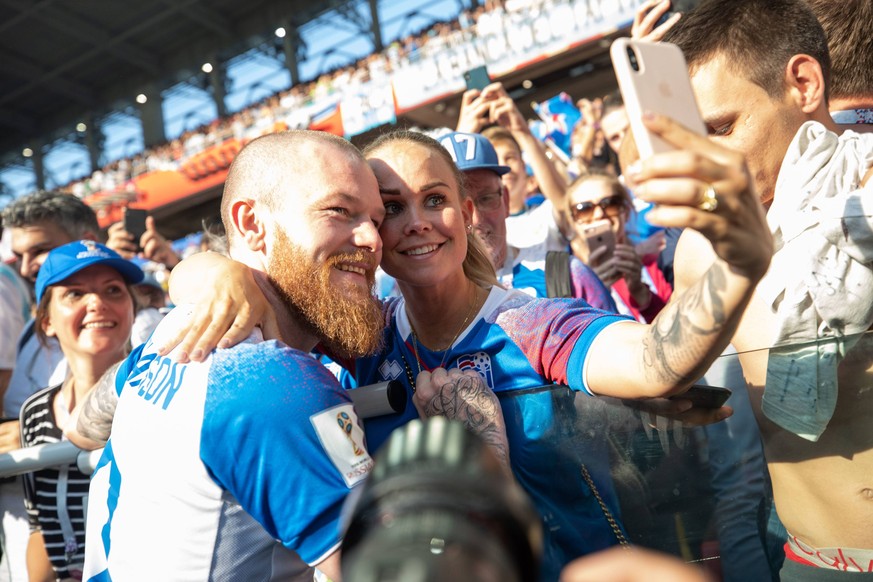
{"x": 55, "y": 498}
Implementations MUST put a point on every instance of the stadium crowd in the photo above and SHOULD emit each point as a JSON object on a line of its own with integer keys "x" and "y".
{"x": 566, "y": 313}
{"x": 439, "y": 53}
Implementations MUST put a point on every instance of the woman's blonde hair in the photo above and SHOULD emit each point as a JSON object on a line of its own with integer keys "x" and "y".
{"x": 477, "y": 264}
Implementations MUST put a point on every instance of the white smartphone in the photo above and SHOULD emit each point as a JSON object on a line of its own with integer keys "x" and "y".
{"x": 654, "y": 77}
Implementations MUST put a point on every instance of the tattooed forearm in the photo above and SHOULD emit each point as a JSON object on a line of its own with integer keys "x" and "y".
{"x": 682, "y": 332}
{"x": 468, "y": 400}
{"x": 98, "y": 409}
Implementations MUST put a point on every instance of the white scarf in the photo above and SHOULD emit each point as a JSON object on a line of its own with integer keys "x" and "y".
{"x": 820, "y": 282}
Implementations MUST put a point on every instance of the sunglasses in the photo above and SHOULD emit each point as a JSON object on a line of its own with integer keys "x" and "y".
{"x": 584, "y": 211}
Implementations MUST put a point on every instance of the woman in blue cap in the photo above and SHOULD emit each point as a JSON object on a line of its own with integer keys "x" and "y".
{"x": 84, "y": 300}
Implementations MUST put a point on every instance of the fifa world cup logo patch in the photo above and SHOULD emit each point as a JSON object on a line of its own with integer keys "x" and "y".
{"x": 345, "y": 423}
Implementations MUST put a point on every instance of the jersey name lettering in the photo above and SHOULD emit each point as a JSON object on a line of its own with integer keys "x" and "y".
{"x": 164, "y": 378}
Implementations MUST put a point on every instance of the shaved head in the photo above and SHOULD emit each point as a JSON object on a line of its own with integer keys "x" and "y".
{"x": 261, "y": 170}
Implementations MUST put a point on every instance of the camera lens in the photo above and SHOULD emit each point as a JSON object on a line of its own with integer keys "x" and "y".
{"x": 632, "y": 57}
{"x": 436, "y": 508}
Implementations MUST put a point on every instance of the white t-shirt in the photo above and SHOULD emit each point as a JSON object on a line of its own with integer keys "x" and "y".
{"x": 535, "y": 226}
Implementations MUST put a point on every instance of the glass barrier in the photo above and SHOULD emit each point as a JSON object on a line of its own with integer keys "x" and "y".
{"x": 603, "y": 471}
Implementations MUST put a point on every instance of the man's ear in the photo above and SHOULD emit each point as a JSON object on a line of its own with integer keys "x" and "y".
{"x": 248, "y": 225}
{"x": 504, "y": 191}
{"x": 467, "y": 210}
{"x": 806, "y": 83}
{"x": 46, "y": 324}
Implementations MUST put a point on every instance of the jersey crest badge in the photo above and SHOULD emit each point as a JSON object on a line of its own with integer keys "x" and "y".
{"x": 480, "y": 362}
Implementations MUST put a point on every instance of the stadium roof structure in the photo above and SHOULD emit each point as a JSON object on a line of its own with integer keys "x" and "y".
{"x": 60, "y": 59}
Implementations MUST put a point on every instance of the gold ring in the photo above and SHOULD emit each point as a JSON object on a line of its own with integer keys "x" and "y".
{"x": 709, "y": 201}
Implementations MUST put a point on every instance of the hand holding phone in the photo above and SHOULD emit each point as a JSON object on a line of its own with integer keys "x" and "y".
{"x": 134, "y": 223}
{"x": 654, "y": 77}
{"x": 477, "y": 78}
{"x": 599, "y": 235}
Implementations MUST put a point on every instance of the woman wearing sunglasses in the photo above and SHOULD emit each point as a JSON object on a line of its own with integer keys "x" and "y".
{"x": 638, "y": 286}
{"x": 84, "y": 300}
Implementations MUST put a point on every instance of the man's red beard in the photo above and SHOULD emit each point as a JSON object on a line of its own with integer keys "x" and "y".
{"x": 347, "y": 320}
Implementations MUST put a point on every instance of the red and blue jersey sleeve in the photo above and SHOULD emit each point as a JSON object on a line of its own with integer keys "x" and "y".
{"x": 555, "y": 336}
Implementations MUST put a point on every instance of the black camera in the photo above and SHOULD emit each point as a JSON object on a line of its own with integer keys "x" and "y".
{"x": 438, "y": 507}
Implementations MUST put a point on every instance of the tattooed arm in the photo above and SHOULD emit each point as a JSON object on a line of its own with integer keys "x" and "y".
{"x": 735, "y": 246}
{"x": 464, "y": 397}
{"x": 91, "y": 421}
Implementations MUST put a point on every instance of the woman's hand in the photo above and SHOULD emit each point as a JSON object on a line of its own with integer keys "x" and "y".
{"x": 630, "y": 268}
{"x": 604, "y": 266}
{"x": 229, "y": 305}
{"x": 463, "y": 396}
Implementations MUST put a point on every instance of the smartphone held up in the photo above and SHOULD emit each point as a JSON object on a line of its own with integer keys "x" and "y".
{"x": 135, "y": 223}
{"x": 599, "y": 235}
{"x": 477, "y": 78}
{"x": 654, "y": 77}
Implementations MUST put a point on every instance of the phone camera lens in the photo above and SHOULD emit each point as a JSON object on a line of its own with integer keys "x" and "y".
{"x": 632, "y": 57}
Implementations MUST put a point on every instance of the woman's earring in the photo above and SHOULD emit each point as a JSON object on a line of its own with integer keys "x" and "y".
{"x": 469, "y": 228}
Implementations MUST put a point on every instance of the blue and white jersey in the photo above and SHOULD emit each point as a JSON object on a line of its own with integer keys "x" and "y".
{"x": 525, "y": 270}
{"x": 216, "y": 468}
{"x": 517, "y": 344}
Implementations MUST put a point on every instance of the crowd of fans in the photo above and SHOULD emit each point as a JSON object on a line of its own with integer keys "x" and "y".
{"x": 438, "y": 55}
{"x": 503, "y": 270}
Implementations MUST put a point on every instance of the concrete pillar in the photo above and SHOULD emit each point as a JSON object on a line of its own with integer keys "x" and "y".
{"x": 290, "y": 44}
{"x": 94, "y": 140}
{"x": 151, "y": 117}
{"x": 216, "y": 81}
{"x": 376, "y": 27}
{"x": 38, "y": 168}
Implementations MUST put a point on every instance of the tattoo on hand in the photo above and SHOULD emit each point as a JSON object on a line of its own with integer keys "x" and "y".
{"x": 469, "y": 400}
{"x": 678, "y": 335}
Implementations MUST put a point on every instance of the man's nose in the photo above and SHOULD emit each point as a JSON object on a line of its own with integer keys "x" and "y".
{"x": 367, "y": 236}
{"x": 29, "y": 267}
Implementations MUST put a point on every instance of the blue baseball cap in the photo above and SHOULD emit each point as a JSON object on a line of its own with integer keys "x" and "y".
{"x": 472, "y": 151}
{"x": 67, "y": 260}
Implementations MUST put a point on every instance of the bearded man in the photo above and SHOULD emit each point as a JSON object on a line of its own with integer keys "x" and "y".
{"x": 220, "y": 469}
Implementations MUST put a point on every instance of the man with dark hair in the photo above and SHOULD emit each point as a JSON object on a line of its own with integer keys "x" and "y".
{"x": 37, "y": 224}
{"x": 847, "y": 26}
{"x": 760, "y": 70}
{"x": 44, "y": 220}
